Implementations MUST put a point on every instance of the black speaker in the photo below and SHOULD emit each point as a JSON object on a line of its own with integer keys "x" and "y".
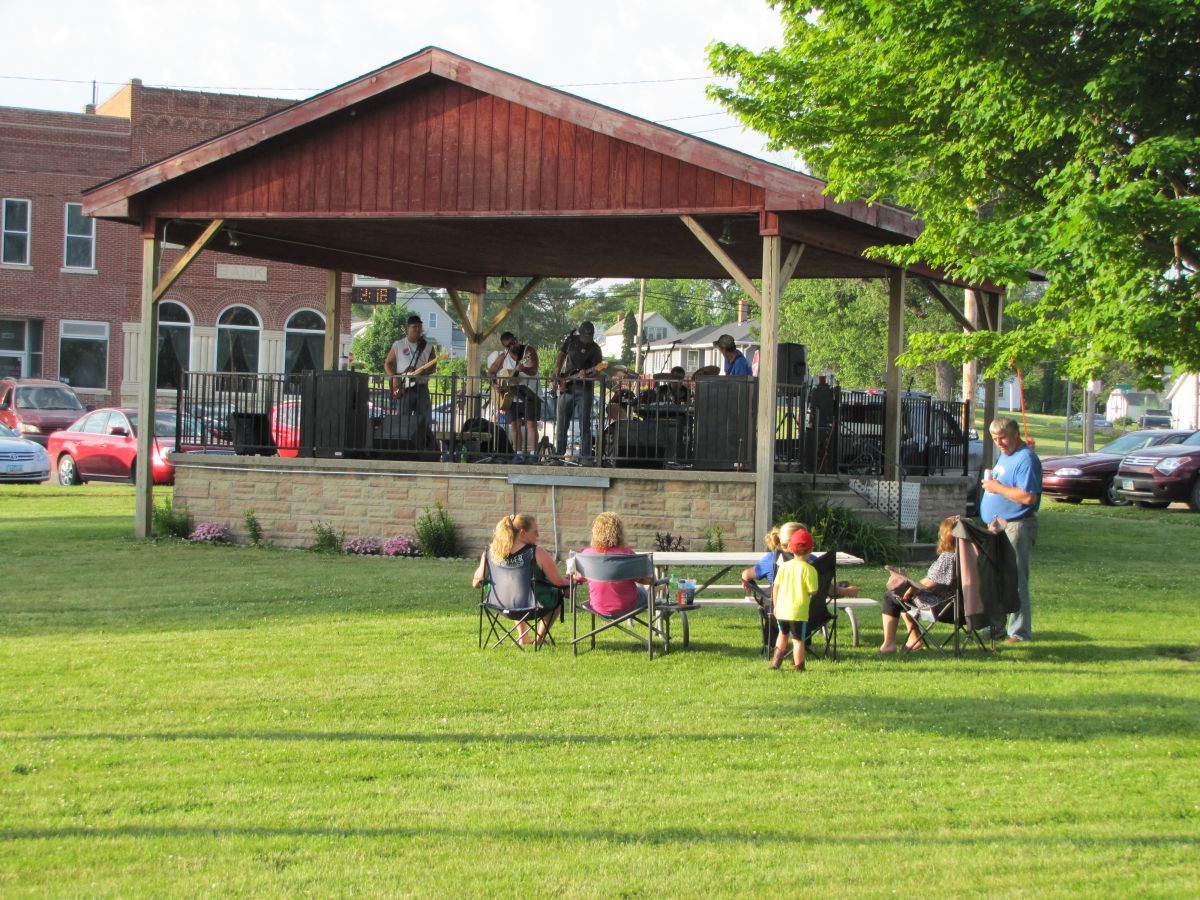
{"x": 792, "y": 366}
{"x": 404, "y": 434}
{"x": 726, "y": 414}
{"x": 251, "y": 433}
{"x": 335, "y": 415}
{"x": 650, "y": 443}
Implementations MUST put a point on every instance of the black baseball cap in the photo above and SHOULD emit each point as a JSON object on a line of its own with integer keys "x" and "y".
{"x": 725, "y": 342}
{"x": 414, "y": 319}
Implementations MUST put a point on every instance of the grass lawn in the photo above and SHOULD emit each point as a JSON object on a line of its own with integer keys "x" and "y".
{"x": 190, "y": 720}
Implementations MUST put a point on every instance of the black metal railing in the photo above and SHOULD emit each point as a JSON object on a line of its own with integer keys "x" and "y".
{"x": 646, "y": 422}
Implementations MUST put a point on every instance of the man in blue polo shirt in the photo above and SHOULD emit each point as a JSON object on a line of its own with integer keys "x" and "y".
{"x": 1014, "y": 493}
{"x": 735, "y": 361}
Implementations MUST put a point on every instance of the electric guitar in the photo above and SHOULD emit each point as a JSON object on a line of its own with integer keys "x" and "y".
{"x": 398, "y": 380}
{"x": 561, "y": 383}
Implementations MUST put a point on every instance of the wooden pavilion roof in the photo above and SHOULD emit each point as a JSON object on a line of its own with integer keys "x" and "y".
{"x": 441, "y": 171}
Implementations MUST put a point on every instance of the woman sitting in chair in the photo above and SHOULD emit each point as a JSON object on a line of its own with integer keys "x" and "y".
{"x": 612, "y": 598}
{"x": 513, "y": 543}
{"x": 938, "y": 599}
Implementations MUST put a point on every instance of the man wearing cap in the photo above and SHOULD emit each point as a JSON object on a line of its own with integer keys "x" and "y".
{"x": 516, "y": 372}
{"x": 412, "y": 354}
{"x": 577, "y": 361}
{"x": 735, "y": 361}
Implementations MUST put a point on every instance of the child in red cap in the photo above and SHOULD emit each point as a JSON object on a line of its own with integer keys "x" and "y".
{"x": 793, "y": 588}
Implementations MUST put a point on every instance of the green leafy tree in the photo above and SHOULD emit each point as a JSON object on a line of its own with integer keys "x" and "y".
{"x": 628, "y": 336}
{"x": 371, "y": 347}
{"x": 1027, "y": 135}
{"x": 686, "y": 303}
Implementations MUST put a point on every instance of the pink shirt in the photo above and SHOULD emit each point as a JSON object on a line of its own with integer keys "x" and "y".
{"x": 611, "y": 597}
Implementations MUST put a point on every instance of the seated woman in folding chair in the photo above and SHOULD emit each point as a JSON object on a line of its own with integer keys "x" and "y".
{"x": 938, "y": 599}
{"x": 612, "y": 598}
{"x": 513, "y": 542}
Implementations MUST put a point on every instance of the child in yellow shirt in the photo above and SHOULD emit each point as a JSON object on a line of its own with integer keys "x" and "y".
{"x": 795, "y": 583}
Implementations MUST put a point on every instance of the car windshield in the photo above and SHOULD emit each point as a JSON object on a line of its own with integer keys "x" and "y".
{"x": 164, "y": 423}
{"x": 47, "y": 397}
{"x": 1126, "y": 443}
{"x": 1192, "y": 440}
{"x": 5, "y": 431}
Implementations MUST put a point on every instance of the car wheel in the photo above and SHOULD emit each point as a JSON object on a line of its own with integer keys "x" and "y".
{"x": 1152, "y": 504}
{"x": 1109, "y": 495}
{"x": 68, "y": 472}
{"x": 1194, "y": 496}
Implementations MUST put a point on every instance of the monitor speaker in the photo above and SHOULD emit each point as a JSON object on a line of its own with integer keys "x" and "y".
{"x": 792, "y": 367}
{"x": 335, "y": 417}
{"x": 726, "y": 413}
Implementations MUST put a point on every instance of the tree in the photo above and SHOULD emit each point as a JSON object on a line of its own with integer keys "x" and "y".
{"x": 1042, "y": 135}
{"x": 387, "y": 326}
{"x": 628, "y": 336}
{"x": 686, "y": 303}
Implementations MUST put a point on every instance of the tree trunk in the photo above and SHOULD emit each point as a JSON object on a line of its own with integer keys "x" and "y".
{"x": 943, "y": 371}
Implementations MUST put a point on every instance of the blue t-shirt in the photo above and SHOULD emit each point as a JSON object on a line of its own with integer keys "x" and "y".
{"x": 765, "y": 568}
{"x": 1022, "y": 470}
{"x": 739, "y": 366}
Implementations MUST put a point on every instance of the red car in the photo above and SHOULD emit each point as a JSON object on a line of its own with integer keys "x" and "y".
{"x": 1091, "y": 476}
{"x": 35, "y": 407}
{"x": 102, "y": 446}
{"x": 1158, "y": 476}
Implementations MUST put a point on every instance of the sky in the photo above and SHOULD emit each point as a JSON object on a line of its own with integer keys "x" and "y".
{"x": 647, "y": 58}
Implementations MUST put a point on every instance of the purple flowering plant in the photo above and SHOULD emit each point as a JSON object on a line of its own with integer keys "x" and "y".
{"x": 210, "y": 533}
{"x": 362, "y": 546}
{"x": 402, "y": 545}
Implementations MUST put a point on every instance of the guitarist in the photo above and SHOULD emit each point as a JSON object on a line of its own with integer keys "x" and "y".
{"x": 413, "y": 354}
{"x": 516, "y": 374}
{"x": 576, "y": 365}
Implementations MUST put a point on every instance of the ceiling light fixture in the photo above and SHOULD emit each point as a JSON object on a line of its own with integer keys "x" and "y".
{"x": 234, "y": 240}
{"x": 726, "y": 237}
{"x": 504, "y": 282}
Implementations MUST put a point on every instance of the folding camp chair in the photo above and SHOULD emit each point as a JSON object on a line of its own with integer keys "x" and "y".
{"x": 820, "y": 617}
{"x": 651, "y": 621}
{"x": 508, "y": 600}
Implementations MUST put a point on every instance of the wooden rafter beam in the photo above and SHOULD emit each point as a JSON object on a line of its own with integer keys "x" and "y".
{"x": 463, "y": 319}
{"x": 788, "y": 269}
{"x": 936, "y": 293}
{"x": 512, "y": 304}
{"x": 726, "y": 261}
{"x": 168, "y": 280}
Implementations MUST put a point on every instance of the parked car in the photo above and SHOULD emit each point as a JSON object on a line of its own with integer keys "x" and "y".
{"x": 1098, "y": 421}
{"x": 1092, "y": 476}
{"x": 1155, "y": 418}
{"x": 35, "y": 407}
{"x": 102, "y": 446}
{"x": 931, "y": 438}
{"x": 22, "y": 460}
{"x": 1158, "y": 476}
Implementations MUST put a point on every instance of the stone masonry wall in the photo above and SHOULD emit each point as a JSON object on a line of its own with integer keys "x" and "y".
{"x": 378, "y": 499}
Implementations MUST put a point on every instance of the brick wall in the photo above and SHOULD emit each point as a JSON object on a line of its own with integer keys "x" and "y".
{"x": 372, "y": 499}
{"x": 50, "y": 157}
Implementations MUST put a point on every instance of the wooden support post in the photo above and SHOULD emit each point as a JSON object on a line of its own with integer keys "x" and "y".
{"x": 768, "y": 371}
{"x": 148, "y": 376}
{"x": 333, "y": 318}
{"x": 473, "y": 385}
{"x": 893, "y": 407}
{"x": 993, "y": 307}
{"x": 464, "y": 318}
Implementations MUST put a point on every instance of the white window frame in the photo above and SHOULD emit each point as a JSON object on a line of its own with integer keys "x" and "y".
{"x": 433, "y": 320}
{"x": 370, "y": 281}
{"x": 68, "y": 236}
{"x": 64, "y": 326}
{"x": 289, "y": 329}
{"x": 188, "y": 326}
{"x": 257, "y": 329}
{"x": 5, "y": 230}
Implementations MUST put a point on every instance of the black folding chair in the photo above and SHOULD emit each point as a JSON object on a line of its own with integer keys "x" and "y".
{"x": 508, "y": 599}
{"x": 820, "y": 617}
{"x": 651, "y": 621}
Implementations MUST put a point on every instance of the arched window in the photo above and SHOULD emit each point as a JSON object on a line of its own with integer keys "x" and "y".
{"x": 174, "y": 344}
{"x": 238, "y": 330}
{"x": 304, "y": 344}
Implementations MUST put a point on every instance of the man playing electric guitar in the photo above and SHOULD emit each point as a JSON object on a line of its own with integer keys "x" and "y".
{"x": 409, "y": 363}
{"x": 516, "y": 383}
{"x": 577, "y": 363}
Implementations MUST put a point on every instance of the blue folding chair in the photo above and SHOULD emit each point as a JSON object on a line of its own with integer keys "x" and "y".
{"x": 509, "y": 598}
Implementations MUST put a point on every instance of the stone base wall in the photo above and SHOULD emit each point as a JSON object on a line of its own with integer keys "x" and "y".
{"x": 380, "y": 499}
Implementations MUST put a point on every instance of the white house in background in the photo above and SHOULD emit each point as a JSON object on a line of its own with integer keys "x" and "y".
{"x": 694, "y": 349}
{"x": 655, "y": 328}
{"x": 1126, "y": 403}
{"x": 1184, "y": 400}
{"x": 440, "y": 326}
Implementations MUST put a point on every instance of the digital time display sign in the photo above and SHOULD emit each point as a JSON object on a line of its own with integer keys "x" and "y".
{"x": 373, "y": 296}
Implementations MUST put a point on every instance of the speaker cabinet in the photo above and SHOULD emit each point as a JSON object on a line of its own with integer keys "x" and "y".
{"x": 792, "y": 367}
{"x": 650, "y": 443}
{"x": 726, "y": 411}
{"x": 335, "y": 416}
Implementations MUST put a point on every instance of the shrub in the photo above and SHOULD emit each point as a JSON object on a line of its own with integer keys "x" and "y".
{"x": 363, "y": 546}
{"x": 210, "y": 533}
{"x": 403, "y": 545}
{"x": 667, "y": 543}
{"x": 253, "y": 526}
{"x": 435, "y": 533}
{"x": 838, "y": 528}
{"x": 714, "y": 539}
{"x": 172, "y": 521}
{"x": 328, "y": 538}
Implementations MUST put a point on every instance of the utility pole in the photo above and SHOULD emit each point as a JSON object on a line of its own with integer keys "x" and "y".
{"x": 637, "y": 363}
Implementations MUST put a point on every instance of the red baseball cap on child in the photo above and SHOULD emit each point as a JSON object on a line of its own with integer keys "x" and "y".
{"x": 800, "y": 542}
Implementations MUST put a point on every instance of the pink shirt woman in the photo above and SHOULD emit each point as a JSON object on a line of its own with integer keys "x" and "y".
{"x": 611, "y": 598}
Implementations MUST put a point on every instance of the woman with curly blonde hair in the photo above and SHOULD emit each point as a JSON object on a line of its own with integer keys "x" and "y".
{"x": 612, "y": 598}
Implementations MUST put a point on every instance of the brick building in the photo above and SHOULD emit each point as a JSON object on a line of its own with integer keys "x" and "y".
{"x": 70, "y": 286}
